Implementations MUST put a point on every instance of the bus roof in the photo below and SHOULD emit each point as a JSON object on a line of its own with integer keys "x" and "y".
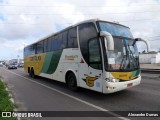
{"x": 86, "y": 21}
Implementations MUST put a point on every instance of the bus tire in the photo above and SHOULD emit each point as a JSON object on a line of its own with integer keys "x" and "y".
{"x": 32, "y": 73}
{"x": 71, "y": 82}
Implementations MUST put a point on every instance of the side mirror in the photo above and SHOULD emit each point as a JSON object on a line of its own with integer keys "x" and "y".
{"x": 109, "y": 39}
{"x": 146, "y": 42}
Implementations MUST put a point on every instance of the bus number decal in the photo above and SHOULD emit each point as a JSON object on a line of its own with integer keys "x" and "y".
{"x": 35, "y": 58}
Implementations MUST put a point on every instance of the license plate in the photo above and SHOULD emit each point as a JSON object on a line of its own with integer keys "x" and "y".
{"x": 130, "y": 85}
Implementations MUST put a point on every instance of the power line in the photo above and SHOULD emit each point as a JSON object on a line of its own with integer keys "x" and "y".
{"x": 154, "y": 40}
{"x": 153, "y": 36}
{"x": 87, "y": 13}
{"x": 81, "y": 5}
{"x": 140, "y": 20}
{"x": 71, "y": 23}
{"x": 34, "y": 24}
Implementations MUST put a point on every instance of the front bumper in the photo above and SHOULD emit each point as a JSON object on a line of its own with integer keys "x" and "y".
{"x": 112, "y": 87}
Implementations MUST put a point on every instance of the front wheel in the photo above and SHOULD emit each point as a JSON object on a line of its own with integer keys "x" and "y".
{"x": 72, "y": 82}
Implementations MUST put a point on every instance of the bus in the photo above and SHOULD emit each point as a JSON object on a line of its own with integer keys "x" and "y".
{"x": 94, "y": 54}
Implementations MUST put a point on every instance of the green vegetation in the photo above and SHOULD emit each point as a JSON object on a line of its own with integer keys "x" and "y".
{"x": 5, "y": 103}
{"x": 150, "y": 52}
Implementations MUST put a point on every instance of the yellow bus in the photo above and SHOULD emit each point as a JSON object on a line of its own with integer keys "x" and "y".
{"x": 93, "y": 54}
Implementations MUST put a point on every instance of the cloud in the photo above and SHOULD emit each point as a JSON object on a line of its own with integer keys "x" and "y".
{"x": 27, "y": 21}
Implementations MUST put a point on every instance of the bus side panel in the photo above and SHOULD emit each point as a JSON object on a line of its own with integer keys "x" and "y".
{"x": 52, "y": 65}
{"x": 70, "y": 60}
{"x": 57, "y": 64}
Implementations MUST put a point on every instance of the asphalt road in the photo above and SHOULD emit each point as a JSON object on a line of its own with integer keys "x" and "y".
{"x": 42, "y": 94}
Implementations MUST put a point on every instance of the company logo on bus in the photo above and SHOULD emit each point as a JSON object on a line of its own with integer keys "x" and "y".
{"x": 90, "y": 80}
{"x": 71, "y": 57}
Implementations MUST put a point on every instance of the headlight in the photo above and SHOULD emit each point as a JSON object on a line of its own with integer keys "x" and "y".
{"x": 112, "y": 80}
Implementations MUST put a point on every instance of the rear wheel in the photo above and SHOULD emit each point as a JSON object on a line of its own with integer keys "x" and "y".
{"x": 72, "y": 82}
{"x": 31, "y": 73}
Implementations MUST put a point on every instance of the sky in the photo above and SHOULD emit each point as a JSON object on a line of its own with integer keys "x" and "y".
{"x": 23, "y": 22}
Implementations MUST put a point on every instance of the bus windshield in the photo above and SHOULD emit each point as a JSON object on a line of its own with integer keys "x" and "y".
{"x": 124, "y": 57}
{"x": 115, "y": 29}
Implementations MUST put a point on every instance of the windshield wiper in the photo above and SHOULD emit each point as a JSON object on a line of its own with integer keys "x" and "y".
{"x": 124, "y": 61}
{"x": 130, "y": 58}
{"x": 125, "y": 58}
{"x": 135, "y": 61}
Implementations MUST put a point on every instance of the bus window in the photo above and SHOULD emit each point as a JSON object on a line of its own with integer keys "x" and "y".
{"x": 94, "y": 53}
{"x": 59, "y": 41}
{"x": 86, "y": 32}
{"x": 26, "y": 51}
{"x": 32, "y": 49}
{"x": 72, "y": 38}
{"x": 40, "y": 47}
{"x": 45, "y": 45}
{"x": 54, "y": 42}
{"x": 64, "y": 40}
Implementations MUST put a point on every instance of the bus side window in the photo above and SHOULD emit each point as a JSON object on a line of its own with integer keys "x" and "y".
{"x": 94, "y": 53}
{"x": 86, "y": 32}
{"x": 59, "y": 41}
{"x": 39, "y": 47}
{"x": 72, "y": 38}
{"x": 45, "y": 45}
{"x": 64, "y": 40}
{"x": 32, "y": 49}
{"x": 25, "y": 51}
{"x": 54, "y": 42}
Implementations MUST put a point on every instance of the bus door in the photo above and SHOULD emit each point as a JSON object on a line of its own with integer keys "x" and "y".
{"x": 90, "y": 75}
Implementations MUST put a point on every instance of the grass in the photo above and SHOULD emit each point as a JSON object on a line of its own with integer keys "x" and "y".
{"x": 5, "y": 103}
